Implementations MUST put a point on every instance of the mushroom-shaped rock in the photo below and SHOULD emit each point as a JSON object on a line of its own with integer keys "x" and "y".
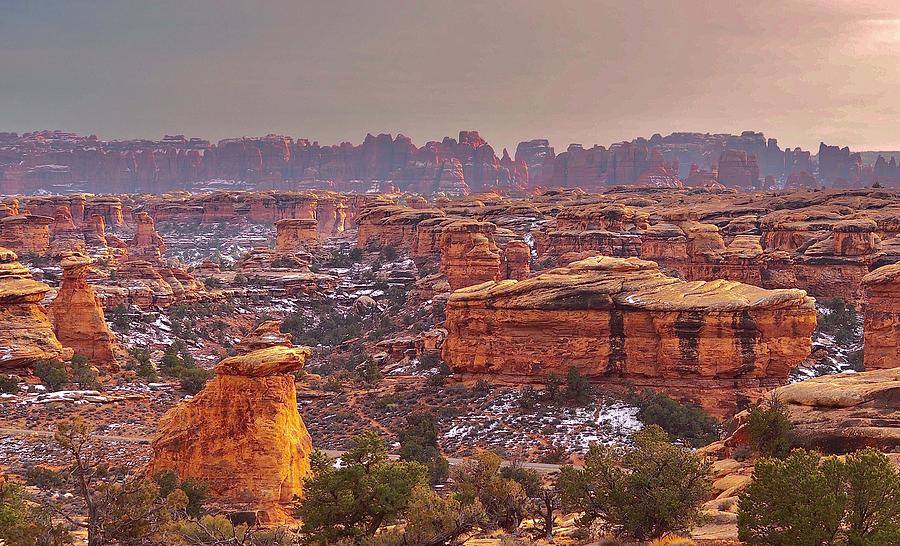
{"x": 77, "y": 315}
{"x": 242, "y": 433}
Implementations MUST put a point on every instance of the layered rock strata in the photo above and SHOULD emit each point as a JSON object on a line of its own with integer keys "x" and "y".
{"x": 622, "y": 320}
{"x": 242, "y": 433}
{"x": 295, "y": 235}
{"x": 26, "y": 334}
{"x": 881, "y": 320}
{"x": 469, "y": 254}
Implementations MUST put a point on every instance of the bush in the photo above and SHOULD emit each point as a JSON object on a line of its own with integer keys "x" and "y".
{"x": 791, "y": 501}
{"x": 194, "y": 379}
{"x": 529, "y": 479}
{"x": 52, "y": 373}
{"x": 839, "y": 320}
{"x": 83, "y": 373}
{"x": 9, "y": 384}
{"x": 770, "y": 429}
{"x": 213, "y": 282}
{"x": 641, "y": 492}
{"x": 23, "y": 524}
{"x": 43, "y": 477}
{"x": 482, "y": 386}
{"x": 683, "y": 421}
{"x": 419, "y": 443}
{"x": 388, "y": 253}
{"x": 478, "y": 480}
{"x": 195, "y": 491}
{"x": 367, "y": 492}
{"x": 577, "y": 386}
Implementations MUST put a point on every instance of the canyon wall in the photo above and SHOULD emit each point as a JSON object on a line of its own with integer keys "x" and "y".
{"x": 621, "y": 320}
{"x": 881, "y": 319}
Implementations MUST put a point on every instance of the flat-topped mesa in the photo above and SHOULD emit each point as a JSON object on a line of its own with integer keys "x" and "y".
{"x": 242, "y": 434}
{"x": 293, "y": 235}
{"x": 469, "y": 254}
{"x": 107, "y": 206}
{"x": 881, "y": 321}
{"x": 391, "y": 225}
{"x": 624, "y": 321}
{"x": 25, "y": 232}
{"x": 146, "y": 243}
{"x": 271, "y": 207}
{"x": 26, "y": 334}
{"x": 77, "y": 315}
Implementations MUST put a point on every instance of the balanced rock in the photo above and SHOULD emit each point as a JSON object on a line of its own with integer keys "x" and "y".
{"x": 624, "y": 320}
{"x": 242, "y": 433}
{"x": 77, "y": 315}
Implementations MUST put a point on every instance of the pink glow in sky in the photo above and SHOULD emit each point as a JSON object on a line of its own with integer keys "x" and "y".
{"x": 572, "y": 71}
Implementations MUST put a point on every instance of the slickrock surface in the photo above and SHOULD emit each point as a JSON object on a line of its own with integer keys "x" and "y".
{"x": 77, "y": 316}
{"x": 623, "y": 319}
{"x": 845, "y": 412}
{"x": 881, "y": 326}
{"x": 26, "y": 334}
{"x": 242, "y": 433}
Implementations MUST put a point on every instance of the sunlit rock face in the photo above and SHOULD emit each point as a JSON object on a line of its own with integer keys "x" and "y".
{"x": 717, "y": 343}
{"x": 26, "y": 334}
{"x": 77, "y": 316}
{"x": 881, "y": 322}
{"x": 295, "y": 235}
{"x": 845, "y": 412}
{"x": 242, "y": 433}
{"x": 469, "y": 254}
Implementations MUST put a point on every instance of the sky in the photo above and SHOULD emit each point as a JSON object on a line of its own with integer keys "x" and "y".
{"x": 585, "y": 71}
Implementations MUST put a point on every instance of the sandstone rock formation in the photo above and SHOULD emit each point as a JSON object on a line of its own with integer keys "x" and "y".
{"x": 242, "y": 433}
{"x": 845, "y": 412}
{"x": 469, "y": 254}
{"x": 77, "y": 316}
{"x": 26, "y": 334}
{"x": 295, "y": 235}
{"x": 146, "y": 244}
{"x": 881, "y": 321}
{"x": 622, "y": 320}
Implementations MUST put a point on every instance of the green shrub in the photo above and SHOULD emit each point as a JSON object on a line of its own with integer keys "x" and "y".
{"x": 683, "y": 421}
{"x": 43, "y": 477}
{"x": 577, "y": 386}
{"x": 193, "y": 380}
{"x": 83, "y": 373}
{"x": 807, "y": 500}
{"x": 24, "y": 524}
{"x": 9, "y": 384}
{"x": 52, "y": 373}
{"x": 478, "y": 480}
{"x": 770, "y": 428}
{"x": 368, "y": 492}
{"x": 419, "y": 443}
{"x": 640, "y": 492}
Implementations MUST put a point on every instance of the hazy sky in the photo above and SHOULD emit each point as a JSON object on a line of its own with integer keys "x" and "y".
{"x": 572, "y": 71}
